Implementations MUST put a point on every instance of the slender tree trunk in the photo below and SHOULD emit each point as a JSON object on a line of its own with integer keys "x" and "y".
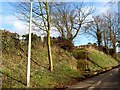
{"x": 114, "y": 45}
{"x": 48, "y": 39}
{"x": 49, "y": 52}
{"x": 105, "y": 39}
{"x": 99, "y": 38}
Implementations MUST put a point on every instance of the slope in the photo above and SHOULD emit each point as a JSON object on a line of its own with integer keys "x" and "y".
{"x": 14, "y": 65}
{"x": 90, "y": 59}
{"x": 68, "y": 67}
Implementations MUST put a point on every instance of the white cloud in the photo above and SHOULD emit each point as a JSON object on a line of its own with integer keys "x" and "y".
{"x": 9, "y": 19}
{"x": 103, "y": 9}
{"x": 56, "y": 0}
{"x": 54, "y": 32}
{"x": 19, "y": 27}
{"x": 11, "y": 23}
{"x": 103, "y": 0}
{"x": 86, "y": 0}
{"x": 0, "y": 21}
{"x": 97, "y": 0}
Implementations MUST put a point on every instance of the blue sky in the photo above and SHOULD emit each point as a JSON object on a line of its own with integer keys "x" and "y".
{"x": 9, "y": 22}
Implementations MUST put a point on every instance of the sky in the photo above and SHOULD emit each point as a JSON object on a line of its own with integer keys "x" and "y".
{"x": 9, "y": 22}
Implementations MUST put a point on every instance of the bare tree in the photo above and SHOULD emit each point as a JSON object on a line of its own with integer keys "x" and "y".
{"x": 111, "y": 25}
{"x": 69, "y": 18}
{"x": 41, "y": 20}
{"x": 105, "y": 29}
{"x": 48, "y": 28}
{"x": 94, "y": 28}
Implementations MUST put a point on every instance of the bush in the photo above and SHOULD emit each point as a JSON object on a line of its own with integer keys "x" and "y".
{"x": 82, "y": 65}
{"x": 63, "y": 43}
{"x": 34, "y": 39}
{"x": 80, "y": 54}
{"x": 10, "y": 40}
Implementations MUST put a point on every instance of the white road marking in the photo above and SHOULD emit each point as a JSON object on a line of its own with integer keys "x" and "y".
{"x": 110, "y": 74}
{"x": 96, "y": 84}
{"x": 117, "y": 69}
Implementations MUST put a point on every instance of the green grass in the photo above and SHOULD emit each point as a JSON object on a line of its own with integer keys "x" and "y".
{"x": 67, "y": 66}
{"x": 102, "y": 60}
{"x": 14, "y": 66}
{"x": 93, "y": 60}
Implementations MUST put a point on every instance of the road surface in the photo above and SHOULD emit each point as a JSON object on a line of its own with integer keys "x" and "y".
{"x": 106, "y": 81}
{"x": 111, "y": 81}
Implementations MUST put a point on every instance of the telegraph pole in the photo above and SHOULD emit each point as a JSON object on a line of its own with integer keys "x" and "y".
{"x": 29, "y": 46}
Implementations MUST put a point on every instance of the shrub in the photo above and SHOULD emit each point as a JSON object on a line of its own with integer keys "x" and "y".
{"x": 82, "y": 65}
{"x": 10, "y": 40}
{"x": 80, "y": 54}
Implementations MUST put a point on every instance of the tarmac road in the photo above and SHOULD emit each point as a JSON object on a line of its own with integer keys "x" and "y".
{"x": 106, "y": 81}
{"x": 111, "y": 81}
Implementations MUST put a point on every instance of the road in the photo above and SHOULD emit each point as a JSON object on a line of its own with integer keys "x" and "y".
{"x": 106, "y": 81}
{"x": 111, "y": 81}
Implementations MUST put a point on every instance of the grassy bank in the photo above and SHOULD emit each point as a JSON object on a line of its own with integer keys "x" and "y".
{"x": 93, "y": 60}
{"x": 14, "y": 66}
{"x": 68, "y": 67}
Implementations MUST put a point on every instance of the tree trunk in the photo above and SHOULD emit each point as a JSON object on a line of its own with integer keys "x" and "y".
{"x": 105, "y": 39}
{"x": 49, "y": 52}
{"x": 99, "y": 38}
{"x": 114, "y": 45}
{"x": 48, "y": 39}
